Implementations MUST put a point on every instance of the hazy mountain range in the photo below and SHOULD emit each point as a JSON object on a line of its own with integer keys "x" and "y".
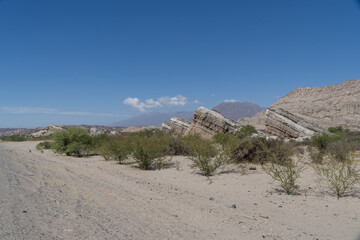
{"x": 152, "y": 119}
{"x": 233, "y": 110}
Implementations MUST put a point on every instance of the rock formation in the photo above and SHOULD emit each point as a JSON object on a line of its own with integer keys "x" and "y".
{"x": 165, "y": 126}
{"x": 208, "y": 122}
{"x": 304, "y": 111}
{"x": 46, "y": 131}
{"x": 286, "y": 125}
{"x": 179, "y": 126}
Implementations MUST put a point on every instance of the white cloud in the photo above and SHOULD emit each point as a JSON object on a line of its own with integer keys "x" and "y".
{"x": 196, "y": 101}
{"x": 160, "y": 102}
{"x": 230, "y": 100}
{"x": 174, "y": 101}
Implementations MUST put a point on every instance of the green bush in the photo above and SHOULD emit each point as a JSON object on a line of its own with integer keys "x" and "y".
{"x": 44, "y": 145}
{"x": 204, "y": 154}
{"x": 73, "y": 142}
{"x": 260, "y": 150}
{"x": 14, "y": 138}
{"x": 321, "y": 141}
{"x": 114, "y": 147}
{"x": 224, "y": 138}
{"x": 337, "y": 129}
{"x": 246, "y": 131}
{"x": 149, "y": 151}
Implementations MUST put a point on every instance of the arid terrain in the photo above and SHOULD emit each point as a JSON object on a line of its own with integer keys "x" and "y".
{"x": 47, "y": 196}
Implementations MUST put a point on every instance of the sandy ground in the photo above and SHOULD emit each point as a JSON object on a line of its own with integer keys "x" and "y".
{"x": 46, "y": 196}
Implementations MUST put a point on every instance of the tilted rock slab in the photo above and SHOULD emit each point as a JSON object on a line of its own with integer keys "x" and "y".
{"x": 179, "y": 126}
{"x": 207, "y": 123}
{"x": 286, "y": 125}
{"x": 165, "y": 126}
{"x": 323, "y": 107}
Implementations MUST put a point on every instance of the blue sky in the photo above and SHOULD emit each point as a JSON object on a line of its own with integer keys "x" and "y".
{"x": 98, "y": 62}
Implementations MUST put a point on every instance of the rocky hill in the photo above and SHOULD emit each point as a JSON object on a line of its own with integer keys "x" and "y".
{"x": 307, "y": 110}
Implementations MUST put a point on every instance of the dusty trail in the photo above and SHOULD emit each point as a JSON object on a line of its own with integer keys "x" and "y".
{"x": 44, "y": 196}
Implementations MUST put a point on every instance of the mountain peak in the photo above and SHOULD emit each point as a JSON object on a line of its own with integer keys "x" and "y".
{"x": 235, "y": 110}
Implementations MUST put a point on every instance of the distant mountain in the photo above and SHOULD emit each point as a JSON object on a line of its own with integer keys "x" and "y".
{"x": 152, "y": 119}
{"x": 236, "y": 110}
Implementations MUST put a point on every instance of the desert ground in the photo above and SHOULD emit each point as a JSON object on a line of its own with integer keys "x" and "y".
{"x": 44, "y": 195}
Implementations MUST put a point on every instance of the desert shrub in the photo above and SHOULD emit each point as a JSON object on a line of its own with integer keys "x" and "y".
{"x": 260, "y": 150}
{"x": 176, "y": 146}
{"x": 204, "y": 154}
{"x": 337, "y": 129}
{"x": 340, "y": 150}
{"x": 316, "y": 156}
{"x": 149, "y": 151}
{"x": 14, "y": 138}
{"x": 287, "y": 173}
{"x": 321, "y": 141}
{"x": 224, "y": 138}
{"x": 114, "y": 147}
{"x": 340, "y": 175}
{"x": 73, "y": 142}
{"x": 246, "y": 131}
{"x": 44, "y": 145}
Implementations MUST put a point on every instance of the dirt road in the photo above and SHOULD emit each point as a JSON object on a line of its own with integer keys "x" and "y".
{"x": 46, "y": 196}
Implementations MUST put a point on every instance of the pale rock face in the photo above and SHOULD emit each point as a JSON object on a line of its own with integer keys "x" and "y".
{"x": 326, "y": 107}
{"x": 179, "y": 126}
{"x": 96, "y": 131}
{"x": 46, "y": 131}
{"x": 207, "y": 123}
{"x": 166, "y": 126}
{"x": 286, "y": 125}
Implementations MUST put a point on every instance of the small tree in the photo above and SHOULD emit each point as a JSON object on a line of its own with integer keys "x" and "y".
{"x": 72, "y": 142}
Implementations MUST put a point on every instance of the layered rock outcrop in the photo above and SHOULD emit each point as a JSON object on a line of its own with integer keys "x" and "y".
{"x": 304, "y": 111}
{"x": 179, "y": 126}
{"x": 208, "y": 122}
{"x": 286, "y": 125}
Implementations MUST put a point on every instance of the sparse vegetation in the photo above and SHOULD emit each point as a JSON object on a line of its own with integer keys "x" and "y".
{"x": 285, "y": 170}
{"x": 339, "y": 174}
{"x": 14, "y": 138}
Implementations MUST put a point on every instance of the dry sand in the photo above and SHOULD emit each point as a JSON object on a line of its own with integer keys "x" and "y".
{"x": 46, "y": 196}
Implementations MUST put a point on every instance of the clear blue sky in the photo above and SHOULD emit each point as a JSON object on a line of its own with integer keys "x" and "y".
{"x": 97, "y": 62}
